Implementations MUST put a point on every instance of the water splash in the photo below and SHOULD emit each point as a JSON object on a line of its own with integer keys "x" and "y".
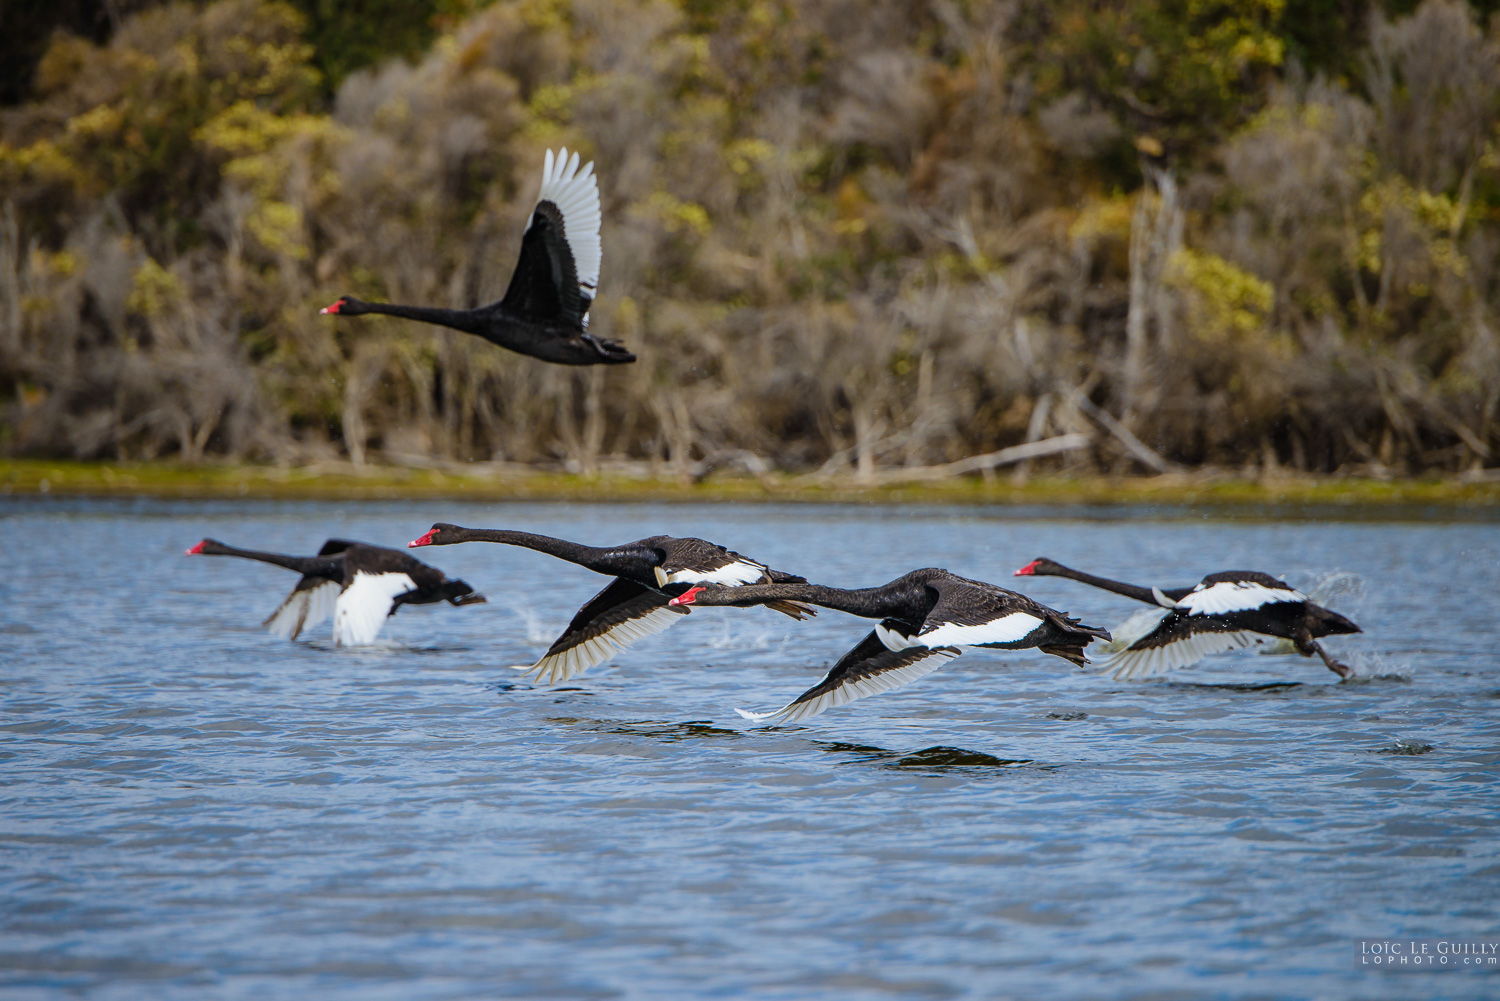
{"x": 733, "y": 636}
{"x": 538, "y": 629}
{"x": 1330, "y": 589}
{"x": 1344, "y": 590}
{"x": 1338, "y": 587}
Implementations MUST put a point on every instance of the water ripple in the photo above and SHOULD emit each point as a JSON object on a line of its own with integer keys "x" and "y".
{"x": 190, "y": 808}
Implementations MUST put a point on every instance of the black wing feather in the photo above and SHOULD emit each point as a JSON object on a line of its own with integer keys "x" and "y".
{"x": 620, "y": 601}
{"x": 1177, "y": 626}
{"x": 544, "y": 287}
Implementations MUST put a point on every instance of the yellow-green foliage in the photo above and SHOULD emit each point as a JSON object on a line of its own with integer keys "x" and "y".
{"x": 1228, "y": 300}
{"x": 133, "y": 114}
{"x": 1102, "y": 217}
{"x": 678, "y": 215}
{"x": 1176, "y": 70}
{"x": 1429, "y": 219}
{"x": 154, "y": 290}
{"x": 261, "y": 149}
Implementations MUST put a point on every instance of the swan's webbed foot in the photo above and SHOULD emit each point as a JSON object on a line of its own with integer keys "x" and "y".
{"x": 1344, "y": 671}
{"x": 610, "y": 352}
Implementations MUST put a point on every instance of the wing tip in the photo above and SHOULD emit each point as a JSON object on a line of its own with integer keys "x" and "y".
{"x": 747, "y": 714}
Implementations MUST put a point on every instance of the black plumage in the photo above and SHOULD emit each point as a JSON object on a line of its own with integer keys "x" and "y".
{"x": 632, "y": 606}
{"x": 927, "y": 616}
{"x": 544, "y": 312}
{"x": 359, "y": 584}
{"x": 1223, "y": 611}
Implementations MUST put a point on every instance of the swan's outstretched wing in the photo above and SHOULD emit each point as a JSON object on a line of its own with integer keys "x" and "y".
{"x": 1133, "y": 628}
{"x": 364, "y": 605}
{"x": 1180, "y": 639}
{"x": 575, "y": 192}
{"x": 558, "y": 269}
{"x": 310, "y": 602}
{"x": 870, "y": 668}
{"x": 613, "y": 619}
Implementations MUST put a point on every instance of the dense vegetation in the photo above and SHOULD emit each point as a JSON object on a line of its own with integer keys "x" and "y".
{"x": 840, "y": 234}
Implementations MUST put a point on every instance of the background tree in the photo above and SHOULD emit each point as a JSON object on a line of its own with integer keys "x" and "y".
{"x": 1249, "y": 233}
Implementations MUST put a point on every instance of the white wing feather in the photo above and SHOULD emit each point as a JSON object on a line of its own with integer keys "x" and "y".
{"x": 1232, "y": 596}
{"x": 858, "y": 688}
{"x": 1006, "y": 629}
{"x": 363, "y": 606}
{"x": 1131, "y": 665}
{"x": 575, "y": 192}
{"x": 303, "y": 610}
{"x": 564, "y": 664}
{"x": 894, "y": 640}
{"x": 738, "y": 572}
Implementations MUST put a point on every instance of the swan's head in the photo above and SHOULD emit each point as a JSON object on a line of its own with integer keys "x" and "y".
{"x": 440, "y": 534}
{"x": 345, "y": 305}
{"x": 1039, "y": 567}
{"x": 687, "y": 597}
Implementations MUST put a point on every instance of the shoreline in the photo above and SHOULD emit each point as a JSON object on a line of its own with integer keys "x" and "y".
{"x": 1309, "y": 496}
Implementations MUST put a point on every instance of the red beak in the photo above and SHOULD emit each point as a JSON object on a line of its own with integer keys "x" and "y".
{"x": 1029, "y": 570}
{"x": 333, "y": 308}
{"x": 425, "y": 540}
{"x": 686, "y": 597}
{"x": 196, "y": 550}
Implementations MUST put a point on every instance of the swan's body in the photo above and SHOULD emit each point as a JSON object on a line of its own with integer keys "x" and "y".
{"x": 927, "y": 616}
{"x": 545, "y": 311}
{"x": 633, "y": 606}
{"x": 1223, "y": 611}
{"x": 359, "y": 585}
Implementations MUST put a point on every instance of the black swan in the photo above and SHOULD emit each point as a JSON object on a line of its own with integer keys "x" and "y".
{"x": 359, "y": 585}
{"x": 545, "y": 312}
{"x": 1223, "y": 611}
{"x": 633, "y": 605}
{"x": 926, "y": 616}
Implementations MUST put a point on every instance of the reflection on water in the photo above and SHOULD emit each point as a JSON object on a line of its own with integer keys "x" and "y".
{"x": 934, "y": 759}
{"x": 1241, "y": 686}
{"x": 652, "y": 729}
{"x": 1408, "y": 747}
{"x": 192, "y": 808}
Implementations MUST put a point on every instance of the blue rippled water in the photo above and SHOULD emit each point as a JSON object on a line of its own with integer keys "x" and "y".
{"x": 194, "y": 809}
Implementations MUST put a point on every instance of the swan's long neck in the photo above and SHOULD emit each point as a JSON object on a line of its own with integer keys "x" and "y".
{"x": 600, "y": 560}
{"x": 459, "y": 319}
{"x": 868, "y": 602}
{"x": 301, "y": 564}
{"x": 1118, "y": 587}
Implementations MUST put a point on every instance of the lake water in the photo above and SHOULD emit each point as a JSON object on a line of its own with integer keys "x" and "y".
{"x": 192, "y": 808}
